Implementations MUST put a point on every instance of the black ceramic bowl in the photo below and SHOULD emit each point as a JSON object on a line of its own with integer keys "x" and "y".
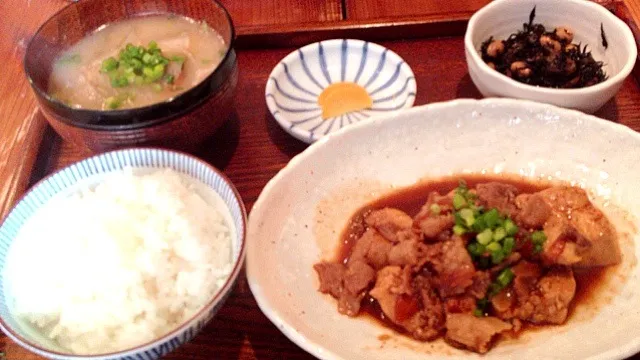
{"x": 182, "y": 122}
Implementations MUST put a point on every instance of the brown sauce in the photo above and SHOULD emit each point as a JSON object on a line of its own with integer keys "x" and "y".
{"x": 411, "y": 199}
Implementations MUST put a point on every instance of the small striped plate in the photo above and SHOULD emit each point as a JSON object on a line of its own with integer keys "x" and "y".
{"x": 295, "y": 84}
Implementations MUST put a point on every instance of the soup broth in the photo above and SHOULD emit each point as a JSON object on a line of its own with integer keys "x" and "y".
{"x": 110, "y": 69}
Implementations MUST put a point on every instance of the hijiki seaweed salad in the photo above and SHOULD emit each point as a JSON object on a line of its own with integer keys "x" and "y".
{"x": 539, "y": 57}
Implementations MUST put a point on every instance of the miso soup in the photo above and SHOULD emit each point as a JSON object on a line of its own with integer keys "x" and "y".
{"x": 136, "y": 62}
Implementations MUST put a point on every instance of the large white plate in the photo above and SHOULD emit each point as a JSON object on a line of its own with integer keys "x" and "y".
{"x": 300, "y": 213}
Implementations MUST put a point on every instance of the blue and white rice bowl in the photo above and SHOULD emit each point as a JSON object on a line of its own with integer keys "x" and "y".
{"x": 295, "y": 84}
{"x": 86, "y": 174}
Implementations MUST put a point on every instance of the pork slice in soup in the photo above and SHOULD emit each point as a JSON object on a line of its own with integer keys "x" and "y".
{"x": 136, "y": 62}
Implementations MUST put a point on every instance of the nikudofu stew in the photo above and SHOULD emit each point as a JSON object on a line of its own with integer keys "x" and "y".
{"x": 470, "y": 261}
{"x": 136, "y": 62}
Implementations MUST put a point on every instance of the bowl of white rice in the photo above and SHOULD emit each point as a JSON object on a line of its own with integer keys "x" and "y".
{"x": 124, "y": 255}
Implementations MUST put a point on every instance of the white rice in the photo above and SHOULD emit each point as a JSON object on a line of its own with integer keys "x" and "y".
{"x": 120, "y": 265}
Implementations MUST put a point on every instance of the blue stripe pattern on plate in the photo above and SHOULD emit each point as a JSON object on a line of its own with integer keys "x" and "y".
{"x": 73, "y": 178}
{"x": 293, "y": 96}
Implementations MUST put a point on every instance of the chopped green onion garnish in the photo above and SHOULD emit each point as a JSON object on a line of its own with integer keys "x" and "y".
{"x": 459, "y": 230}
{"x": 137, "y": 65}
{"x": 156, "y": 72}
{"x": 478, "y": 313}
{"x": 113, "y": 103}
{"x": 485, "y": 238}
{"x": 109, "y": 64}
{"x": 494, "y": 234}
{"x": 502, "y": 281}
{"x": 494, "y": 246}
{"x": 479, "y": 225}
{"x": 435, "y": 209}
{"x": 538, "y": 238}
{"x": 170, "y": 78}
{"x": 131, "y": 78}
{"x": 147, "y": 72}
{"x": 497, "y": 257}
{"x": 119, "y": 81}
{"x": 467, "y": 216}
{"x": 499, "y": 234}
{"x": 459, "y": 201}
{"x": 139, "y": 80}
{"x": 147, "y": 58}
{"x": 475, "y": 249}
{"x": 491, "y": 218}
{"x": 507, "y": 245}
{"x": 505, "y": 277}
{"x": 510, "y": 227}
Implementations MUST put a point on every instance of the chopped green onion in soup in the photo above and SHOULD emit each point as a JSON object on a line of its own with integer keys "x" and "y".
{"x": 156, "y": 62}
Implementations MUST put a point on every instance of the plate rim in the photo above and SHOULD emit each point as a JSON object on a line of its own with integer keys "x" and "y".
{"x": 303, "y": 135}
{"x": 318, "y": 350}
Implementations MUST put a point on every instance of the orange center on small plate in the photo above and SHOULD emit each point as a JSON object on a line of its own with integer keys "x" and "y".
{"x": 343, "y": 97}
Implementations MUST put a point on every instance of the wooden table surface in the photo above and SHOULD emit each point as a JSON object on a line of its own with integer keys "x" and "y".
{"x": 250, "y": 147}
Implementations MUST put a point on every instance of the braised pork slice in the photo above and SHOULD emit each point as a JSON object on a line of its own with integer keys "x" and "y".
{"x": 537, "y": 298}
{"x": 467, "y": 302}
{"x": 480, "y": 284}
{"x": 331, "y": 275}
{"x": 556, "y": 290}
{"x": 410, "y": 252}
{"x": 409, "y": 303}
{"x": 452, "y": 265}
{"x": 460, "y": 304}
{"x": 578, "y": 234}
{"x": 372, "y": 248}
{"x": 433, "y": 223}
{"x": 474, "y": 333}
{"x": 498, "y": 195}
{"x": 347, "y": 283}
{"x": 393, "y": 224}
{"x": 358, "y": 276}
{"x": 533, "y": 210}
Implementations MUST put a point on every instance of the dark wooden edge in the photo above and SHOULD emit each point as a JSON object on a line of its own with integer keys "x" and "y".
{"x": 620, "y": 9}
{"x": 295, "y": 35}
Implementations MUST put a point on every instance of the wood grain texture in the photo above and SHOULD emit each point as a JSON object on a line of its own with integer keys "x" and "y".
{"x": 375, "y": 10}
{"x": 271, "y": 12}
{"x": 288, "y": 35}
{"x": 251, "y": 148}
{"x": 21, "y": 125}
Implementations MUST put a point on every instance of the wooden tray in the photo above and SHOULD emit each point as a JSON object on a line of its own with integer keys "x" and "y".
{"x": 251, "y": 148}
